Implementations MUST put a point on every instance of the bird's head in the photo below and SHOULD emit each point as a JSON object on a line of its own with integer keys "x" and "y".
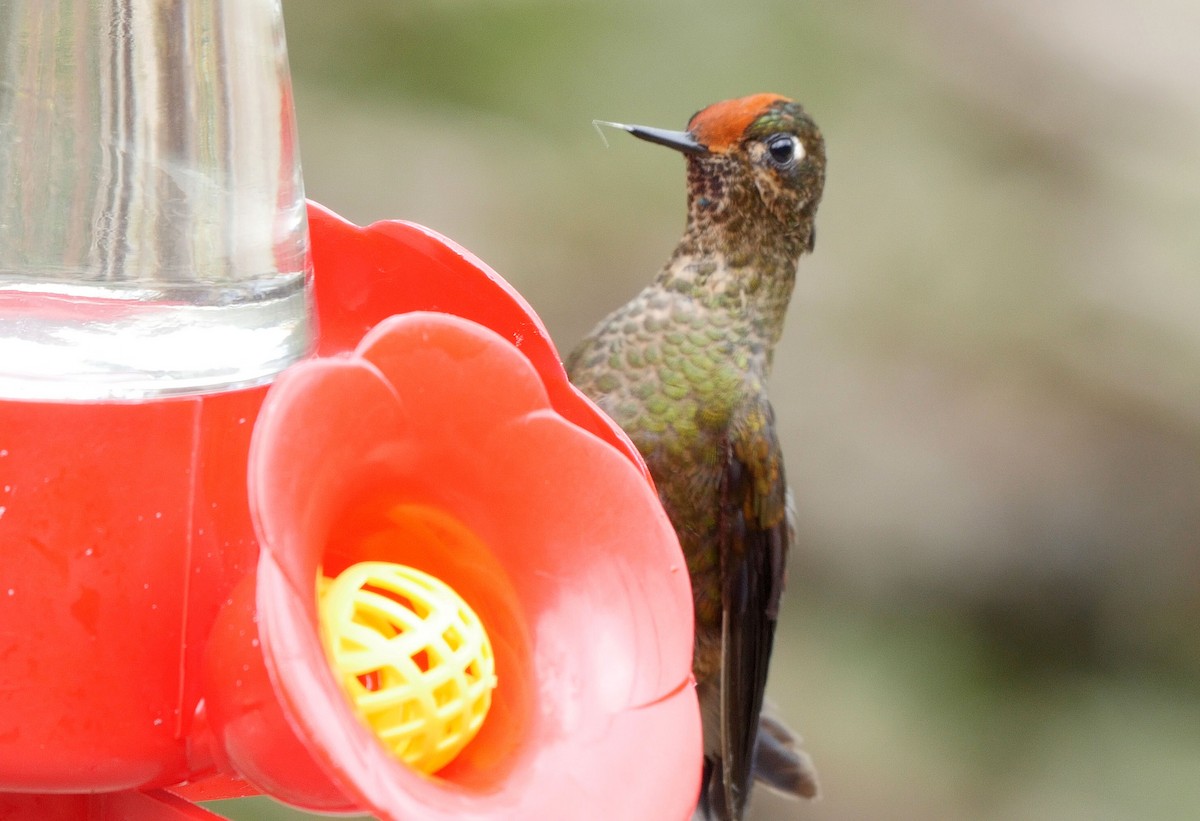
{"x": 755, "y": 165}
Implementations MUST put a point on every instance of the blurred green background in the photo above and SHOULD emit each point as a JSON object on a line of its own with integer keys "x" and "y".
{"x": 989, "y": 389}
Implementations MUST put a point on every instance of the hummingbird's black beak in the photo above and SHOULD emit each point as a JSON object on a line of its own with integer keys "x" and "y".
{"x": 679, "y": 140}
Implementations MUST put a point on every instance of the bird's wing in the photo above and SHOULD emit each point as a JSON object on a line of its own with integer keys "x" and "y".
{"x": 754, "y": 535}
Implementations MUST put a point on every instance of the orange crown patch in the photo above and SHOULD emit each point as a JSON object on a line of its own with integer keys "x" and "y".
{"x": 720, "y": 126}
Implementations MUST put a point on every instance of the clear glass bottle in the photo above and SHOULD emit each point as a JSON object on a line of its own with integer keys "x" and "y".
{"x": 153, "y": 238}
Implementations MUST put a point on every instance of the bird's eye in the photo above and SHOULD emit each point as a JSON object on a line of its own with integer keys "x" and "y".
{"x": 785, "y": 148}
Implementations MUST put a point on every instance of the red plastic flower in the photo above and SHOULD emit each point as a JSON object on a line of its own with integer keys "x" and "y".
{"x": 440, "y": 444}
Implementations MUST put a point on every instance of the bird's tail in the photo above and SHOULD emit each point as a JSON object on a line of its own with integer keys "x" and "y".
{"x": 779, "y": 764}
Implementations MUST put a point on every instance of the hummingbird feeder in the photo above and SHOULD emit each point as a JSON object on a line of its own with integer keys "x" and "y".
{"x": 289, "y": 506}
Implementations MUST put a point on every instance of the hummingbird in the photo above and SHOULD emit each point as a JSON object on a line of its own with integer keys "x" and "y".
{"x": 682, "y": 368}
